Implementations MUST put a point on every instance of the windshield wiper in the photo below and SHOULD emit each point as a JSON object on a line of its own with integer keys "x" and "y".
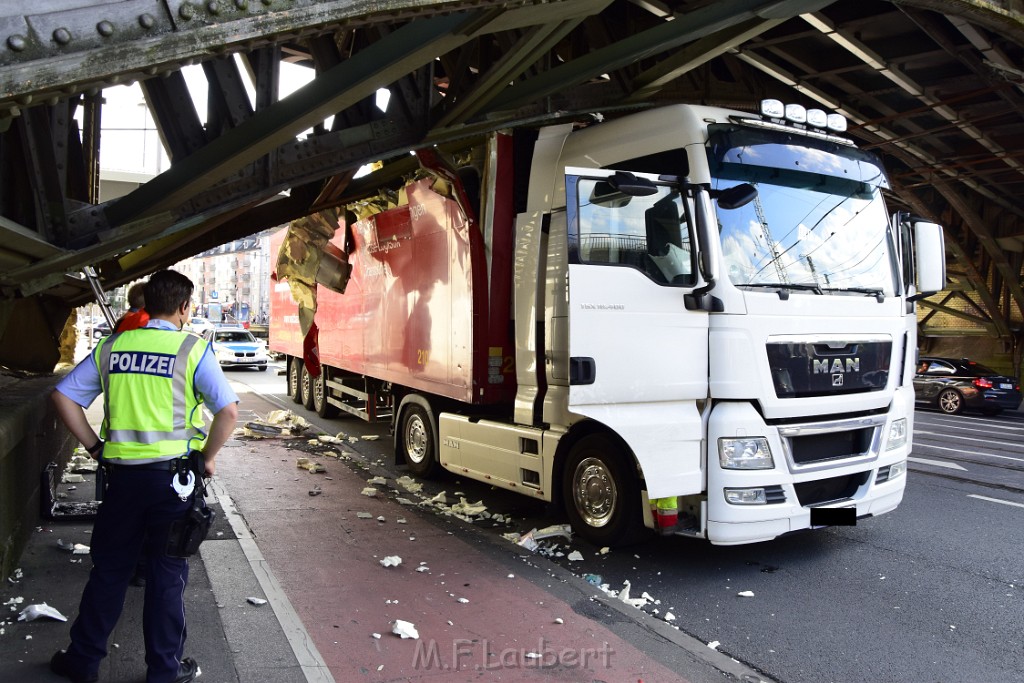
{"x": 871, "y": 291}
{"x": 784, "y": 287}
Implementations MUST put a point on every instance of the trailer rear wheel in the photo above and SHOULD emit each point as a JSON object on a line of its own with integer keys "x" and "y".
{"x": 306, "y": 388}
{"x": 601, "y": 493}
{"x": 294, "y": 373}
{"x": 321, "y": 405}
{"x": 418, "y": 441}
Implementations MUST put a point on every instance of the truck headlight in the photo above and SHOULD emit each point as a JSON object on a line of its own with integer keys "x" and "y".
{"x": 745, "y": 454}
{"x": 897, "y": 434}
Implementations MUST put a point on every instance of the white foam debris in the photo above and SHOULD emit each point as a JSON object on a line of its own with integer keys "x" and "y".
{"x": 403, "y": 501}
{"x": 463, "y": 600}
{"x": 404, "y": 629}
{"x": 381, "y": 518}
{"x": 669, "y": 616}
{"x": 605, "y": 550}
{"x": 439, "y": 499}
{"x": 401, "y": 520}
{"x": 369, "y": 491}
{"x": 38, "y": 611}
{"x": 364, "y": 515}
{"x": 377, "y": 481}
{"x": 391, "y": 561}
{"x": 376, "y": 635}
{"x": 559, "y": 620}
{"x": 371, "y": 437}
{"x": 745, "y": 594}
{"x": 256, "y": 601}
{"x": 714, "y": 644}
{"x": 409, "y": 484}
{"x": 468, "y": 509}
{"x": 423, "y": 568}
{"x": 575, "y": 556}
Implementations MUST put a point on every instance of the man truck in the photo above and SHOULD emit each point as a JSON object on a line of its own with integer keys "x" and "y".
{"x": 690, "y": 319}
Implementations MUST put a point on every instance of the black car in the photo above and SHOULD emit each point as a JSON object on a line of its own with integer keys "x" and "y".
{"x": 101, "y": 330}
{"x": 954, "y": 385}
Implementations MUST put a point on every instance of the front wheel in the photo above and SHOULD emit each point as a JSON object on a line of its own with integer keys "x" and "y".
{"x": 418, "y": 442}
{"x": 951, "y": 402}
{"x": 294, "y": 375}
{"x": 601, "y": 493}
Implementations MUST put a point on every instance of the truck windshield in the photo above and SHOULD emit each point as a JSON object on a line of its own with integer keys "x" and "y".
{"x": 818, "y": 224}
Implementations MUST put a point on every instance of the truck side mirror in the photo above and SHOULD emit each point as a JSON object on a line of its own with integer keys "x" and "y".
{"x": 930, "y": 257}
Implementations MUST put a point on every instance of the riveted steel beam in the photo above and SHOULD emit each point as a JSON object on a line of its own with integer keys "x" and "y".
{"x": 383, "y": 62}
{"x": 665, "y": 36}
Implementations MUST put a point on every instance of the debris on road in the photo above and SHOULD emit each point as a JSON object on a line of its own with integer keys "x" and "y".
{"x": 33, "y": 612}
{"x": 391, "y": 561}
{"x": 315, "y": 491}
{"x": 714, "y": 644}
{"x": 377, "y": 481}
{"x": 73, "y": 548}
{"x": 364, "y": 515}
{"x": 256, "y": 601}
{"x": 409, "y": 484}
{"x": 575, "y": 556}
{"x": 309, "y": 465}
{"x": 404, "y": 629}
{"x": 369, "y": 491}
{"x": 745, "y": 594}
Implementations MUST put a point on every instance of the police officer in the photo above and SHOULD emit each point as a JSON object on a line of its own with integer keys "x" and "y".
{"x": 155, "y": 381}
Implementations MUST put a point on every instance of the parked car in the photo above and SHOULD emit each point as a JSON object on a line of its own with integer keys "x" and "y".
{"x": 199, "y": 325}
{"x": 953, "y": 385}
{"x": 100, "y": 329}
{"x": 237, "y": 347}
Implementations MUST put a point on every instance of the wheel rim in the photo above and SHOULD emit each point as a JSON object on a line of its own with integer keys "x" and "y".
{"x": 318, "y": 392}
{"x": 949, "y": 401}
{"x": 593, "y": 492}
{"x": 305, "y": 384}
{"x": 415, "y": 439}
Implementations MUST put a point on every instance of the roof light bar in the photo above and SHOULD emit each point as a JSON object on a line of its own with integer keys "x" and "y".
{"x": 796, "y": 113}
{"x": 773, "y": 109}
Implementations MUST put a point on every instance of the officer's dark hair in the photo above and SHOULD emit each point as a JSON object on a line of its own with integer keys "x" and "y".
{"x": 166, "y": 291}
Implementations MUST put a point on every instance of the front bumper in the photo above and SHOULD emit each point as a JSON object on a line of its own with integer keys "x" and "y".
{"x": 795, "y": 486}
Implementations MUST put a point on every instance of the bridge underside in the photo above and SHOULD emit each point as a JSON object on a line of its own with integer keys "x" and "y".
{"x": 935, "y": 87}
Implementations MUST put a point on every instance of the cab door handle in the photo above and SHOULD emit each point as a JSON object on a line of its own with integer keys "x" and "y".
{"x": 582, "y": 370}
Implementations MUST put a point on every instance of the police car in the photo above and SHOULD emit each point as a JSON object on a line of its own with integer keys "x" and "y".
{"x": 237, "y": 347}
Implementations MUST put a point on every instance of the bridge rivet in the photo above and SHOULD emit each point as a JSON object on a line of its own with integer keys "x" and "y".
{"x": 267, "y": 2}
{"x": 213, "y": 7}
{"x": 146, "y": 20}
{"x": 62, "y": 36}
{"x": 242, "y": 4}
{"x": 17, "y": 43}
{"x": 105, "y": 28}
{"x": 186, "y": 11}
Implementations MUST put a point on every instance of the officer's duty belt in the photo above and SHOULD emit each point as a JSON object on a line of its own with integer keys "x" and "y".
{"x": 163, "y": 465}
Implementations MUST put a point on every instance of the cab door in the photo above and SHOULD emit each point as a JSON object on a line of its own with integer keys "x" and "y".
{"x": 638, "y": 357}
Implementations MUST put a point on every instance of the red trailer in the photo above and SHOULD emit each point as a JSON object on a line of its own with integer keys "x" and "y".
{"x": 419, "y": 312}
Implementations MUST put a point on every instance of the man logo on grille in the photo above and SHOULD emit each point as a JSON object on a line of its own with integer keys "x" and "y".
{"x": 837, "y": 380}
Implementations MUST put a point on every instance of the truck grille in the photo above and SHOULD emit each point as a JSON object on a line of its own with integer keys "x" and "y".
{"x": 831, "y": 445}
{"x": 803, "y": 368}
{"x": 827, "y": 490}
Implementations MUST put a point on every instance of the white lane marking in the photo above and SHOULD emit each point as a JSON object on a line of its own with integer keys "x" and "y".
{"x": 987, "y": 428}
{"x": 996, "y": 500}
{"x": 960, "y": 450}
{"x": 938, "y": 463}
{"x": 988, "y": 441}
{"x": 313, "y": 665}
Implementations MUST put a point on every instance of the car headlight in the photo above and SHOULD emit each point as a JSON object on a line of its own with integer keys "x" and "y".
{"x": 745, "y": 454}
{"x": 223, "y": 352}
{"x": 897, "y": 434}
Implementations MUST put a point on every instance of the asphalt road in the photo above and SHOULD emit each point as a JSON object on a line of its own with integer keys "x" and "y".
{"x": 933, "y": 591}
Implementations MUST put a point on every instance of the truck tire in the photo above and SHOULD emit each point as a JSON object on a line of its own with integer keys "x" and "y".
{"x": 951, "y": 402}
{"x": 306, "y": 388}
{"x": 321, "y": 406}
{"x": 294, "y": 375}
{"x": 601, "y": 493}
{"x": 417, "y": 442}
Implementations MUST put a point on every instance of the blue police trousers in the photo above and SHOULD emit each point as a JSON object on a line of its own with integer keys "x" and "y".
{"x": 138, "y": 508}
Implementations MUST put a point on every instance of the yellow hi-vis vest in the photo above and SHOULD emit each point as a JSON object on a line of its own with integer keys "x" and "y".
{"x": 151, "y": 410}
